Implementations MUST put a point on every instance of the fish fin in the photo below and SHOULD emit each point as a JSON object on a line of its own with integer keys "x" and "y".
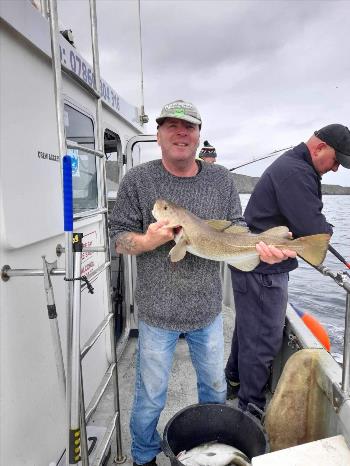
{"x": 237, "y": 229}
{"x": 314, "y": 248}
{"x": 178, "y": 252}
{"x": 246, "y": 265}
{"x": 277, "y": 231}
{"x": 220, "y": 225}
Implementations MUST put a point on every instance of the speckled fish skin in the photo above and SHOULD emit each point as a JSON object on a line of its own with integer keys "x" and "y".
{"x": 216, "y": 240}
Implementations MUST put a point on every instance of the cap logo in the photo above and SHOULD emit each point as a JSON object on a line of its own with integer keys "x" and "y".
{"x": 179, "y": 112}
{"x": 177, "y": 105}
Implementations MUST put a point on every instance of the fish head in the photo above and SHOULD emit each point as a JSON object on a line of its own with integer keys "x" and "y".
{"x": 166, "y": 210}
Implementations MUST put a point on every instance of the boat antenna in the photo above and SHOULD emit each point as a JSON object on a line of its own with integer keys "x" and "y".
{"x": 256, "y": 159}
{"x": 143, "y": 117}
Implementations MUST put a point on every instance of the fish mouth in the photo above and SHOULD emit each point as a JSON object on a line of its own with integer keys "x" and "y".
{"x": 176, "y": 228}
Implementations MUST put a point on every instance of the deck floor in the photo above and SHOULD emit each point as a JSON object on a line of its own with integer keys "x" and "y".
{"x": 182, "y": 389}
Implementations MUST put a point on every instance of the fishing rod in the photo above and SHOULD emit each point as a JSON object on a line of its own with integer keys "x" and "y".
{"x": 271, "y": 154}
{"x": 338, "y": 256}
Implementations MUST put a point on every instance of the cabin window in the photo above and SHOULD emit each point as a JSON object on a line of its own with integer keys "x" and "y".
{"x": 80, "y": 129}
{"x": 112, "y": 145}
{"x": 114, "y": 163}
{"x": 144, "y": 151}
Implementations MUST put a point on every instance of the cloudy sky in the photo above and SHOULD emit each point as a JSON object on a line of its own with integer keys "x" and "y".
{"x": 264, "y": 74}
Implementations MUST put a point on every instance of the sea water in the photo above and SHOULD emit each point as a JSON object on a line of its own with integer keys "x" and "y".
{"x": 316, "y": 294}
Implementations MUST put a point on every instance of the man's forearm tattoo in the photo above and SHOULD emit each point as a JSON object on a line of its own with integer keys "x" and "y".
{"x": 126, "y": 243}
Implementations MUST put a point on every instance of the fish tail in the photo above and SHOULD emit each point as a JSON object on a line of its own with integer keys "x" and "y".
{"x": 312, "y": 248}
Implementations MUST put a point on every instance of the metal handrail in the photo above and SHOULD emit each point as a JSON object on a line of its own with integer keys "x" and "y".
{"x": 96, "y": 335}
{"x": 102, "y": 448}
{"x": 61, "y": 249}
{"x": 346, "y": 356}
{"x": 57, "y": 72}
{"x": 7, "y": 272}
{"x": 98, "y": 394}
{"x": 93, "y": 275}
{"x": 342, "y": 279}
{"x": 135, "y": 140}
{"x": 88, "y": 150}
{"x": 103, "y": 202}
{"x": 89, "y": 214}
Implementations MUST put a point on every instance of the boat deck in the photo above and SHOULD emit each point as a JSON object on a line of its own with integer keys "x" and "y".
{"x": 182, "y": 388}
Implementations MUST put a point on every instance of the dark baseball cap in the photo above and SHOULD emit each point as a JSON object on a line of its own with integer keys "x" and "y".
{"x": 338, "y": 137}
{"x": 181, "y": 110}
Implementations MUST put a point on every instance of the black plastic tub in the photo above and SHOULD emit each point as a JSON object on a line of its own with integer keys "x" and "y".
{"x": 202, "y": 423}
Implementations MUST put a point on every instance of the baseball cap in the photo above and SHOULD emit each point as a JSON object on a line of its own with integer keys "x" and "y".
{"x": 338, "y": 137}
{"x": 181, "y": 110}
{"x": 207, "y": 150}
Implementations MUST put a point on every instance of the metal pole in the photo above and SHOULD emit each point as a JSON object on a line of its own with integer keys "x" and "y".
{"x": 7, "y": 272}
{"x": 55, "y": 331}
{"x": 342, "y": 279}
{"x": 61, "y": 249}
{"x": 68, "y": 228}
{"x": 96, "y": 64}
{"x": 143, "y": 116}
{"x": 67, "y": 188}
{"x": 346, "y": 351}
{"x": 57, "y": 74}
{"x": 84, "y": 442}
{"x": 74, "y": 421}
{"x": 103, "y": 203}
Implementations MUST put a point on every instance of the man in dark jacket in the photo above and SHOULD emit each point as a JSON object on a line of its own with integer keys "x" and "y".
{"x": 288, "y": 193}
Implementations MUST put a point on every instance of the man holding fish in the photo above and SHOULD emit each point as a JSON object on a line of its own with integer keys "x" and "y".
{"x": 182, "y": 298}
{"x": 288, "y": 193}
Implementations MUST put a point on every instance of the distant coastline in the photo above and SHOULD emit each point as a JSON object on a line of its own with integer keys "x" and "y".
{"x": 245, "y": 185}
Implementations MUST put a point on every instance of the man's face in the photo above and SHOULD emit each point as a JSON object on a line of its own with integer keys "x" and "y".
{"x": 325, "y": 159}
{"x": 178, "y": 139}
{"x": 209, "y": 159}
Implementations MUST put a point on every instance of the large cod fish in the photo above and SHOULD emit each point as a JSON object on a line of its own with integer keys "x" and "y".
{"x": 213, "y": 454}
{"x": 218, "y": 240}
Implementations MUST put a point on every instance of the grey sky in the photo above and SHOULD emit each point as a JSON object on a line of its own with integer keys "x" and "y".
{"x": 264, "y": 73}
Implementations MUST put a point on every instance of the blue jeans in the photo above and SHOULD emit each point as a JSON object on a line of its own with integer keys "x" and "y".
{"x": 156, "y": 347}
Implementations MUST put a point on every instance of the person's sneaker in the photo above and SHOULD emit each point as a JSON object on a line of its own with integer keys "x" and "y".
{"x": 149, "y": 463}
{"x": 232, "y": 389}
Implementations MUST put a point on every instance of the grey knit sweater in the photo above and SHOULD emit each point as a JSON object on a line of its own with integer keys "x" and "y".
{"x": 185, "y": 295}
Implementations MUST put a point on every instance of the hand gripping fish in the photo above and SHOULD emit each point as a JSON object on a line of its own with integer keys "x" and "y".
{"x": 213, "y": 454}
{"x": 218, "y": 240}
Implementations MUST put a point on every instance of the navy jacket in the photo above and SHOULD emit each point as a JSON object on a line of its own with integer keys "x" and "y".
{"x": 288, "y": 193}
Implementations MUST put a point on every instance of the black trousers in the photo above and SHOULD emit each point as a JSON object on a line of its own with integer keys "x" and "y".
{"x": 261, "y": 302}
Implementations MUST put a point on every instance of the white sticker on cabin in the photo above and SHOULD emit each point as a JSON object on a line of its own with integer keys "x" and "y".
{"x": 75, "y": 161}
